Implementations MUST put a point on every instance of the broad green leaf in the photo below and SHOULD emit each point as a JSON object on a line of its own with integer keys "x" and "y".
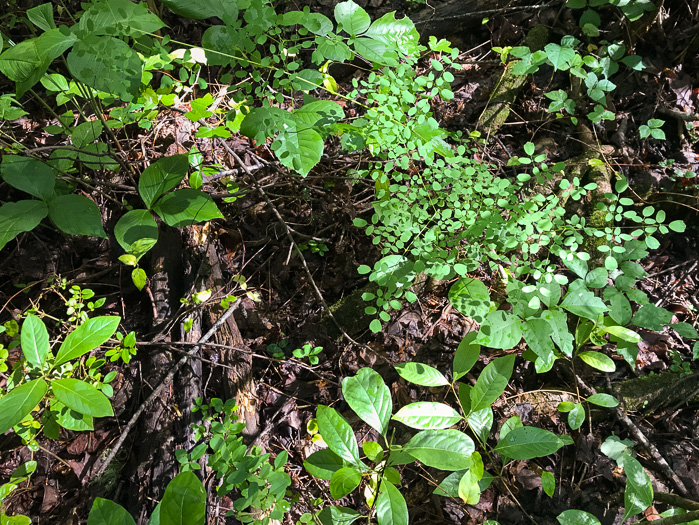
{"x": 106, "y": 512}
{"x": 323, "y": 464}
{"x": 652, "y": 317}
{"x": 596, "y": 278}
{"x": 118, "y": 18}
{"x": 427, "y": 415}
{"x": 619, "y": 306}
{"x": 421, "y": 374}
{"x": 471, "y": 298}
{"x": 500, "y": 330}
{"x": 685, "y": 330}
{"x": 76, "y": 215}
{"x": 481, "y": 421}
{"x": 19, "y": 403}
{"x": 616, "y": 448}
{"x": 576, "y": 265}
{"x": 528, "y": 443}
{"x": 577, "y": 517}
{"x": 576, "y": 417}
{"x": 603, "y": 400}
{"x": 186, "y": 207}
{"x": 373, "y": 451}
{"x": 107, "y": 64}
{"x": 82, "y": 397}
{"x": 492, "y": 382}
{"x": 262, "y": 123}
{"x": 537, "y": 334}
{"x": 87, "y": 336}
{"x": 638, "y": 494}
{"x": 226, "y": 10}
{"x": 625, "y": 334}
{"x": 375, "y": 51}
{"x": 509, "y": 425}
{"x": 469, "y": 491}
{"x": 70, "y": 419}
{"x": 391, "y": 508}
{"x": 160, "y": 177}
{"x": 558, "y": 322}
{"x": 139, "y": 278}
{"x": 369, "y": 397}
{"x": 560, "y": 57}
{"x": 598, "y": 360}
{"x": 334, "y": 515}
{"x": 86, "y": 133}
{"x": 351, "y": 18}
{"x": 582, "y": 302}
{"x": 42, "y": 16}
{"x": 318, "y": 113}
{"x": 400, "y": 35}
{"x": 448, "y": 449}
{"x": 466, "y": 355}
{"x": 337, "y": 433}
{"x": 298, "y": 149}
{"x": 548, "y": 483}
{"x": 135, "y": 226}
{"x": 17, "y": 519}
{"x": 344, "y": 481}
{"x": 155, "y": 516}
{"x": 29, "y": 175}
{"x": 35, "y": 340}
{"x": 184, "y": 501}
{"x": 450, "y": 485}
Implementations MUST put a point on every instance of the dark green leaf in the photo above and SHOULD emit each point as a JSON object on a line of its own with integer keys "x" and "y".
{"x": 576, "y": 417}
{"x": 685, "y": 330}
{"x": 323, "y": 464}
{"x": 118, "y": 18}
{"x": 344, "y": 481}
{"x": 106, "y": 512}
{"x": 466, "y": 355}
{"x": 548, "y": 483}
{"x": 76, "y": 215}
{"x": 184, "y": 501}
{"x": 652, "y": 317}
{"x": 186, "y": 207}
{"x": 582, "y": 302}
{"x": 29, "y": 175}
{"x": 577, "y": 517}
{"x": 491, "y": 382}
{"x": 528, "y": 443}
{"x": 638, "y": 495}
{"x": 335, "y": 515}
{"x": 135, "y": 226}
{"x": 226, "y": 10}
{"x": 42, "y": 16}
{"x": 603, "y": 400}
{"x": 160, "y": 177}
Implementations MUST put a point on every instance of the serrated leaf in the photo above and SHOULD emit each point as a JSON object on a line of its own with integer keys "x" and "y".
{"x": 370, "y": 398}
{"x": 421, "y": 374}
{"x": 529, "y": 443}
{"x": 448, "y": 449}
{"x": 492, "y": 382}
{"x": 427, "y": 415}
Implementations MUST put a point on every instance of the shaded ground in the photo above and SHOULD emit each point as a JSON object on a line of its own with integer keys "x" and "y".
{"x": 282, "y": 304}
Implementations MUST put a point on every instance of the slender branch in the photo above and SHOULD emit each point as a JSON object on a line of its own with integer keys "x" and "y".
{"x": 676, "y": 501}
{"x": 165, "y": 382}
{"x": 679, "y": 518}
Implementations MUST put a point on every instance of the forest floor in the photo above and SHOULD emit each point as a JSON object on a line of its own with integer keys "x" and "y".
{"x": 280, "y": 308}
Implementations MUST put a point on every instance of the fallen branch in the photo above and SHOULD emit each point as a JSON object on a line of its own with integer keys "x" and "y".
{"x": 165, "y": 382}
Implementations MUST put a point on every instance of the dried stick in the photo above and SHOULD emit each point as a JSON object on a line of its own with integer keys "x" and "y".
{"x": 289, "y": 236}
{"x": 642, "y": 439}
{"x": 165, "y": 382}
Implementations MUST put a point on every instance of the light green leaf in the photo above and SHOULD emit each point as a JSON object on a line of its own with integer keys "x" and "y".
{"x": 537, "y": 334}
{"x": 548, "y": 483}
{"x": 421, "y": 374}
{"x": 469, "y": 491}
{"x": 576, "y": 417}
{"x": 186, "y": 207}
{"x": 262, "y": 123}
{"x": 491, "y": 382}
{"x": 35, "y": 340}
{"x": 466, "y": 355}
{"x": 334, "y": 515}
{"x": 82, "y": 397}
{"x": 619, "y": 306}
{"x": 576, "y": 265}
{"x": 76, "y": 215}
{"x": 375, "y": 51}
{"x": 638, "y": 494}
{"x": 427, "y": 415}
{"x": 603, "y": 400}
{"x": 577, "y": 517}
{"x": 481, "y": 421}
{"x": 471, "y": 298}
{"x": 226, "y": 10}
{"x": 500, "y": 330}
{"x": 625, "y": 334}
{"x": 106, "y": 512}
{"x": 560, "y": 57}
{"x": 139, "y": 278}
{"x": 318, "y": 113}
{"x": 135, "y": 226}
{"x": 351, "y": 18}
{"x": 558, "y": 321}
{"x": 598, "y": 360}
{"x": 19, "y": 403}
{"x": 509, "y": 425}
{"x": 162, "y": 176}
{"x": 118, "y": 18}
{"x": 367, "y": 394}
{"x": 87, "y": 336}
{"x": 184, "y": 501}
{"x": 70, "y": 419}
{"x": 107, "y": 64}
{"x": 298, "y": 149}
{"x": 448, "y": 449}
{"x": 42, "y": 16}
{"x": 323, "y": 464}
{"x": 400, "y": 35}
{"x": 344, "y": 481}
{"x": 529, "y": 443}
{"x": 582, "y": 302}
{"x": 337, "y": 433}
{"x": 29, "y": 175}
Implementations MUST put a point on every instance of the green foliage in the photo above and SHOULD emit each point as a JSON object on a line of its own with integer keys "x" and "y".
{"x": 309, "y": 351}
{"x": 261, "y": 483}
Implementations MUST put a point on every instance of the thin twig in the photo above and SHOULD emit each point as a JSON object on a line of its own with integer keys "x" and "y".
{"x": 166, "y": 381}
